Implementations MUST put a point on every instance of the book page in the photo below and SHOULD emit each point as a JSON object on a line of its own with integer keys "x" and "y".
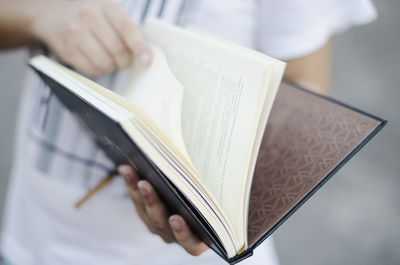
{"x": 159, "y": 94}
{"x": 220, "y": 111}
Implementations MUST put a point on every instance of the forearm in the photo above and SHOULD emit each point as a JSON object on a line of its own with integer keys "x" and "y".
{"x": 16, "y": 19}
{"x": 312, "y": 71}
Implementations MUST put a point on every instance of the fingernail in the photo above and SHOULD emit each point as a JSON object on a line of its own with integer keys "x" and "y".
{"x": 143, "y": 191}
{"x": 175, "y": 224}
{"x": 145, "y": 57}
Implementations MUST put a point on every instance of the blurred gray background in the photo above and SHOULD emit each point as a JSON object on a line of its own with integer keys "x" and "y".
{"x": 355, "y": 217}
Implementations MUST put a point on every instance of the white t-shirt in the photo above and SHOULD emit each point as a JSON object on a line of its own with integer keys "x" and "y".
{"x": 56, "y": 162}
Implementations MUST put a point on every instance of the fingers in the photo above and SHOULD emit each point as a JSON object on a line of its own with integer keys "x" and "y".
{"x": 132, "y": 179}
{"x": 79, "y": 61}
{"x": 74, "y": 50}
{"x": 130, "y": 33}
{"x": 94, "y": 37}
{"x": 155, "y": 215}
{"x": 148, "y": 205}
{"x": 105, "y": 34}
{"x": 185, "y": 237}
{"x": 130, "y": 175}
{"x": 155, "y": 209}
{"x": 99, "y": 58}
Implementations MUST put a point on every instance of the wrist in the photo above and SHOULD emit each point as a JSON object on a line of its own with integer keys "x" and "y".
{"x": 33, "y": 20}
{"x": 16, "y": 20}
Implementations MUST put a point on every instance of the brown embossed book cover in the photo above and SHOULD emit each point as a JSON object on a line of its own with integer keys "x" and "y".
{"x": 307, "y": 139}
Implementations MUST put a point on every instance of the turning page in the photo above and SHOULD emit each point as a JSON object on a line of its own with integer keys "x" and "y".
{"x": 159, "y": 94}
{"x": 221, "y": 106}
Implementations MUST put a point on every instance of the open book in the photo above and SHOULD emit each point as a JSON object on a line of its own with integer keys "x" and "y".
{"x": 193, "y": 122}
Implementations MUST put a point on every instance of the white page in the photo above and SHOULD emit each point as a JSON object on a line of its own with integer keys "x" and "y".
{"x": 219, "y": 111}
{"x": 159, "y": 94}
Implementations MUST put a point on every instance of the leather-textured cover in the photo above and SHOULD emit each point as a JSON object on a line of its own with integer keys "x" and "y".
{"x": 308, "y": 137}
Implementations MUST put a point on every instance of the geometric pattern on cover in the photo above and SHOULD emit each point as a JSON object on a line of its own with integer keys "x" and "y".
{"x": 305, "y": 138}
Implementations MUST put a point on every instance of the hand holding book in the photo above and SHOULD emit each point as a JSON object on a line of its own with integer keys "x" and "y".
{"x": 154, "y": 214}
{"x": 152, "y": 210}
